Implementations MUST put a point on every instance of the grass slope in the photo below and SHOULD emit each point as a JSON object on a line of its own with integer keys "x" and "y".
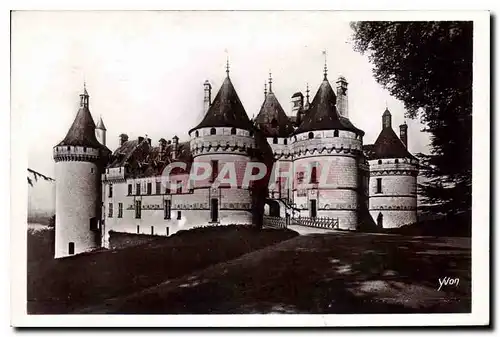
{"x": 320, "y": 273}
{"x": 64, "y": 285}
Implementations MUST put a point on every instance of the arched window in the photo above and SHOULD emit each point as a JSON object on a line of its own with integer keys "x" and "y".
{"x": 396, "y": 161}
{"x": 196, "y": 134}
{"x": 380, "y": 161}
{"x": 233, "y": 131}
{"x": 311, "y": 135}
{"x": 212, "y": 131}
{"x": 336, "y": 133}
{"x": 275, "y": 140}
{"x": 285, "y": 141}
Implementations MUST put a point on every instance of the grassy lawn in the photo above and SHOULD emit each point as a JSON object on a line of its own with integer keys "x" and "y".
{"x": 320, "y": 273}
{"x": 64, "y": 285}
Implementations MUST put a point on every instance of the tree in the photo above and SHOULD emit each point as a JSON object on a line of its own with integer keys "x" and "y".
{"x": 428, "y": 66}
{"x": 37, "y": 175}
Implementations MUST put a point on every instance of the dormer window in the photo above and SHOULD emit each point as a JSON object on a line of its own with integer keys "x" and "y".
{"x": 311, "y": 135}
{"x": 212, "y": 131}
{"x": 380, "y": 161}
{"x": 196, "y": 134}
{"x": 285, "y": 141}
{"x": 275, "y": 140}
{"x": 336, "y": 133}
{"x": 233, "y": 131}
{"x": 274, "y": 123}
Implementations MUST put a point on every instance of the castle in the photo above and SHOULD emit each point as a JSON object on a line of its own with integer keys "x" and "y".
{"x": 98, "y": 191}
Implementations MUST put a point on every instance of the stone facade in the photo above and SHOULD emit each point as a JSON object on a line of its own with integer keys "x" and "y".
{"x": 321, "y": 169}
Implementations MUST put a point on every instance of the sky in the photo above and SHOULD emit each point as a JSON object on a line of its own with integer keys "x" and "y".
{"x": 144, "y": 72}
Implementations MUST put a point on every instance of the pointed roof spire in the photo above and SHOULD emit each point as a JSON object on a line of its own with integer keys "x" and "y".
{"x": 100, "y": 124}
{"x": 325, "y": 70}
{"x": 227, "y": 66}
{"x": 270, "y": 81}
{"x": 82, "y": 131}
{"x": 307, "y": 92}
{"x": 265, "y": 89}
{"x": 226, "y": 110}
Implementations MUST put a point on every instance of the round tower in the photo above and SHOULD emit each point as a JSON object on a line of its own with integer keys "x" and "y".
{"x": 327, "y": 148}
{"x": 223, "y": 140}
{"x": 79, "y": 158}
{"x": 393, "y": 179}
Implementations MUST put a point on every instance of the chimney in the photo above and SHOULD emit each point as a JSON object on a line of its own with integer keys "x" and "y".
{"x": 123, "y": 138}
{"x": 342, "y": 101}
{"x": 403, "y": 134}
{"x": 207, "y": 100}
{"x": 297, "y": 104}
{"x": 175, "y": 147}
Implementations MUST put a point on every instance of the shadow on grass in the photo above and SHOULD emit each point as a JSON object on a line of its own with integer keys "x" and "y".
{"x": 326, "y": 273}
{"x": 63, "y": 285}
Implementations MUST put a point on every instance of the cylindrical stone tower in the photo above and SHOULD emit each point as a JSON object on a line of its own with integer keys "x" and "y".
{"x": 393, "y": 179}
{"x": 79, "y": 159}
{"x": 224, "y": 140}
{"x": 326, "y": 149}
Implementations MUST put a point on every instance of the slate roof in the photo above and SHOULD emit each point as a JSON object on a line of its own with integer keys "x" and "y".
{"x": 272, "y": 120}
{"x": 387, "y": 145}
{"x": 100, "y": 124}
{"x": 82, "y": 131}
{"x": 144, "y": 160}
{"x": 226, "y": 110}
{"x": 323, "y": 115}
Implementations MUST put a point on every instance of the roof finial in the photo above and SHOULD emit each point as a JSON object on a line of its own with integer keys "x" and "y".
{"x": 307, "y": 92}
{"x": 270, "y": 82}
{"x": 265, "y": 89}
{"x": 85, "y": 87}
{"x": 227, "y": 63}
{"x": 325, "y": 71}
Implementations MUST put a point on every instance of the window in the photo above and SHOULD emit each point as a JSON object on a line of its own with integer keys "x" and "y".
{"x": 137, "y": 189}
{"x": 149, "y": 188}
{"x": 69, "y": 148}
{"x": 311, "y": 135}
{"x": 196, "y": 134}
{"x": 167, "y": 207}
{"x": 93, "y": 224}
{"x": 137, "y": 209}
{"x": 214, "y": 210}
{"x": 274, "y": 123}
{"x": 71, "y": 248}
{"x": 158, "y": 187}
{"x": 167, "y": 231}
{"x": 120, "y": 210}
{"x": 84, "y": 149}
{"x": 233, "y": 131}
{"x": 379, "y": 185}
{"x": 275, "y": 140}
{"x": 312, "y": 211}
{"x": 138, "y": 229}
{"x": 179, "y": 215}
{"x": 179, "y": 186}
{"x": 129, "y": 189}
{"x": 152, "y": 230}
{"x": 110, "y": 191}
{"x": 396, "y": 161}
{"x": 336, "y": 133}
{"x": 314, "y": 175}
{"x": 212, "y": 131}
{"x": 300, "y": 177}
{"x": 251, "y": 133}
{"x": 91, "y": 170}
{"x": 380, "y": 161}
{"x": 167, "y": 190}
{"x": 110, "y": 210}
{"x": 285, "y": 141}
{"x": 215, "y": 170}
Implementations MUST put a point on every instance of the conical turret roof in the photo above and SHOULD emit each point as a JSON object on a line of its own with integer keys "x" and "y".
{"x": 82, "y": 131}
{"x": 100, "y": 124}
{"x": 226, "y": 110}
{"x": 272, "y": 120}
{"x": 322, "y": 113}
